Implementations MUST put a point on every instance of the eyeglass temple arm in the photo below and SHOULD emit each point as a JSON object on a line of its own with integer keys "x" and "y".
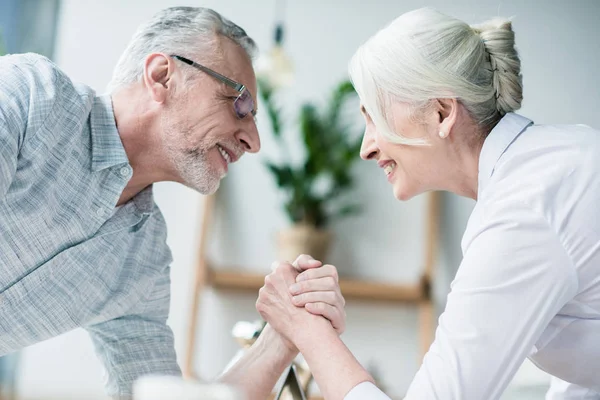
{"x": 235, "y": 85}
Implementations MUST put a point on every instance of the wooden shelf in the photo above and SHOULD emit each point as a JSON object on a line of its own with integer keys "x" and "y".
{"x": 352, "y": 289}
{"x": 418, "y": 294}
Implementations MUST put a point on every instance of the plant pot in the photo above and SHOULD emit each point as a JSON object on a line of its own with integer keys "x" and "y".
{"x": 303, "y": 239}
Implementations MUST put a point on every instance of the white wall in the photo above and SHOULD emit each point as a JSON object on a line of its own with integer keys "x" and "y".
{"x": 560, "y": 53}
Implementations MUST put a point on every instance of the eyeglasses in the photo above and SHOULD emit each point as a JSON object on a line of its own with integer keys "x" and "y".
{"x": 243, "y": 104}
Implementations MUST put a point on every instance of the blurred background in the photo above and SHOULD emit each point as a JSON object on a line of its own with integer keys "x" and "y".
{"x": 385, "y": 241}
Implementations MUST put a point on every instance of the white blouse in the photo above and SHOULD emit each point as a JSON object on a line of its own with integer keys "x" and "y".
{"x": 529, "y": 282}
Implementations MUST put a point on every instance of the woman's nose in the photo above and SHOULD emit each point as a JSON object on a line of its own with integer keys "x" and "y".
{"x": 368, "y": 149}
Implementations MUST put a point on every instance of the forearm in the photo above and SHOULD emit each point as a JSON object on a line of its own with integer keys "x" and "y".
{"x": 335, "y": 369}
{"x": 257, "y": 372}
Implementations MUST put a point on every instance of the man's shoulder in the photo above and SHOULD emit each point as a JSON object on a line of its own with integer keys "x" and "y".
{"x": 35, "y": 85}
{"x": 30, "y": 66}
{"x": 39, "y": 74}
{"x": 25, "y": 59}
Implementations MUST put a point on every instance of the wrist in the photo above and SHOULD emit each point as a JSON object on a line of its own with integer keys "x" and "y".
{"x": 315, "y": 328}
{"x": 281, "y": 350}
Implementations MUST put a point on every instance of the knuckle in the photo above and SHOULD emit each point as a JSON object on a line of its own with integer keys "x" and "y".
{"x": 331, "y": 282}
{"x": 308, "y": 274}
{"x": 268, "y": 280}
{"x": 334, "y": 273}
{"x": 302, "y": 286}
{"x": 332, "y": 297}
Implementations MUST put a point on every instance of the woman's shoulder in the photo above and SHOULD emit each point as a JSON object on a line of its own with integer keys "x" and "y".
{"x": 553, "y": 170}
{"x": 549, "y": 155}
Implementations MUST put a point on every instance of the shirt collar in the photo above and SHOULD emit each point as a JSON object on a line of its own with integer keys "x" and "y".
{"x": 107, "y": 148}
{"x": 497, "y": 142}
{"x": 144, "y": 200}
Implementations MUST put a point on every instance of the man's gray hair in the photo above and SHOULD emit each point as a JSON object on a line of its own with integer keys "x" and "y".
{"x": 187, "y": 31}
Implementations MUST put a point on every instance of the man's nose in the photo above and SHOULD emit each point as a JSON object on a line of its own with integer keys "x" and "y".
{"x": 249, "y": 138}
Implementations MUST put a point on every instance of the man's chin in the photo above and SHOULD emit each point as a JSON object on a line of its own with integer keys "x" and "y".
{"x": 206, "y": 189}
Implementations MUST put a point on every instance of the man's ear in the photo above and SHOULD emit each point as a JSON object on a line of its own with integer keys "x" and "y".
{"x": 158, "y": 75}
{"x": 447, "y": 111}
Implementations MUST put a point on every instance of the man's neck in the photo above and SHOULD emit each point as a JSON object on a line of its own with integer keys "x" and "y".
{"x": 138, "y": 124}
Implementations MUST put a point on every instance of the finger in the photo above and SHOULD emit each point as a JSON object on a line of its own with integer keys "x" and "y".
{"x": 282, "y": 277}
{"x": 304, "y": 262}
{"x": 330, "y": 298}
{"x": 322, "y": 272}
{"x": 278, "y": 264}
{"x": 314, "y": 285}
{"x": 333, "y": 314}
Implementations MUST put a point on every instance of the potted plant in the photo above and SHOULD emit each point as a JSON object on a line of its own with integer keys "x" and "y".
{"x": 314, "y": 187}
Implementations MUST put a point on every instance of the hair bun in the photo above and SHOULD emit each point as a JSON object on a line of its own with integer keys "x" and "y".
{"x": 499, "y": 41}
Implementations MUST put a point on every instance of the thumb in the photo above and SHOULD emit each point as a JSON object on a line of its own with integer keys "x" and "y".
{"x": 304, "y": 262}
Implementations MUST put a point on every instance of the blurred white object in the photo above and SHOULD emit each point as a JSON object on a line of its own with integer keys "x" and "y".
{"x": 154, "y": 387}
{"x": 245, "y": 333}
{"x": 275, "y": 67}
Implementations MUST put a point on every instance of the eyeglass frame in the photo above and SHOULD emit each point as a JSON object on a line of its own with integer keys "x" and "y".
{"x": 238, "y": 87}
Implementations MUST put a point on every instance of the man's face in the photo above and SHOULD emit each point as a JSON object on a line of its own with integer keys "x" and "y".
{"x": 201, "y": 131}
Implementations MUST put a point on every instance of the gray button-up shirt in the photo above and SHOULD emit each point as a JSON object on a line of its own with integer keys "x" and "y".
{"x": 68, "y": 257}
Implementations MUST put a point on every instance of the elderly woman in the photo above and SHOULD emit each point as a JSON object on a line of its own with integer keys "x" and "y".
{"x": 439, "y": 98}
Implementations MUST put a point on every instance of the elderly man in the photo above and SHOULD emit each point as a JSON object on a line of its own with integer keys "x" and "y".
{"x": 82, "y": 243}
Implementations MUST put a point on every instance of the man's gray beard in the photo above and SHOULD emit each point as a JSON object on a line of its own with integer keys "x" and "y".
{"x": 195, "y": 171}
{"x": 193, "y": 167}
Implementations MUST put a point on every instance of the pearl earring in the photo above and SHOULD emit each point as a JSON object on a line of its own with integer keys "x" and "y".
{"x": 442, "y": 134}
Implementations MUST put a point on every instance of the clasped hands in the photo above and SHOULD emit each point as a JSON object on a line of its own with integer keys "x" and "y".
{"x": 300, "y": 296}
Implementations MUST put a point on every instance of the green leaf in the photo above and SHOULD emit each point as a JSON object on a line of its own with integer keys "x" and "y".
{"x": 283, "y": 175}
{"x": 266, "y": 92}
{"x": 331, "y": 148}
{"x": 350, "y": 209}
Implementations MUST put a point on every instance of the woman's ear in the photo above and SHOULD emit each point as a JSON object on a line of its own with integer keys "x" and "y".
{"x": 158, "y": 71}
{"x": 447, "y": 111}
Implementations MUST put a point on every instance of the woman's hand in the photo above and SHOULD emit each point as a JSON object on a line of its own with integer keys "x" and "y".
{"x": 317, "y": 289}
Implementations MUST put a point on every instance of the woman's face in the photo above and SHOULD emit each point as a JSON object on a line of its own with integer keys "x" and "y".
{"x": 410, "y": 169}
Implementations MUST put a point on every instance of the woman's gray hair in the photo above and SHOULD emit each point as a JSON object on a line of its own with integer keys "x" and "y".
{"x": 187, "y": 31}
{"x": 425, "y": 55}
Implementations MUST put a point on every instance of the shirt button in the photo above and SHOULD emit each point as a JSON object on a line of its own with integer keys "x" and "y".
{"x": 100, "y": 212}
{"x": 124, "y": 171}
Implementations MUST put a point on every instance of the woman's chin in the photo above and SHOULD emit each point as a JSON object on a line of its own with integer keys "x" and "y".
{"x": 401, "y": 193}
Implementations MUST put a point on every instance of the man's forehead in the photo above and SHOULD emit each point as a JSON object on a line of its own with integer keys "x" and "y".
{"x": 234, "y": 58}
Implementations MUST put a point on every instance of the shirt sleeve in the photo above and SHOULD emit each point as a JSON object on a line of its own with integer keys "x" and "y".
{"x": 561, "y": 390}
{"x": 29, "y": 90}
{"x": 14, "y": 109}
{"x": 137, "y": 344}
{"x": 366, "y": 391}
{"x": 514, "y": 278}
